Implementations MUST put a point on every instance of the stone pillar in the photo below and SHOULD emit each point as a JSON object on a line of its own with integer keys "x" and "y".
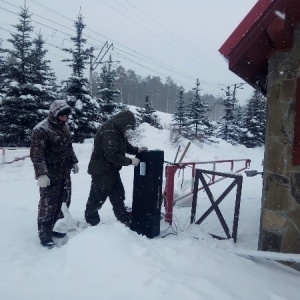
{"x": 280, "y": 221}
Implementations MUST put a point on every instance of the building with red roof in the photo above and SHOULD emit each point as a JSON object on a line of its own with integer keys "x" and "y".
{"x": 264, "y": 50}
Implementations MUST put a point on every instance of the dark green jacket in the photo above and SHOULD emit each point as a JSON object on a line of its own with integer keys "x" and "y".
{"x": 111, "y": 144}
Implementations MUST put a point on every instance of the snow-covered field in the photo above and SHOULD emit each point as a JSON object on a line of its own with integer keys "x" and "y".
{"x": 110, "y": 262}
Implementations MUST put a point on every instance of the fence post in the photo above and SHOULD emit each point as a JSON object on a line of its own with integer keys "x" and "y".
{"x": 169, "y": 193}
{"x": 3, "y": 156}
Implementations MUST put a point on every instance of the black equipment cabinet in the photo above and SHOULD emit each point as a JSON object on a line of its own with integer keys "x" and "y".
{"x": 147, "y": 193}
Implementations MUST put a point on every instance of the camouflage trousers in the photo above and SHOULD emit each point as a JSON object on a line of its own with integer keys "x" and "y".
{"x": 98, "y": 194}
{"x": 49, "y": 209}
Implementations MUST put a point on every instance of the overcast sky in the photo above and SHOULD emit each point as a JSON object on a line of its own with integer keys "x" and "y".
{"x": 176, "y": 38}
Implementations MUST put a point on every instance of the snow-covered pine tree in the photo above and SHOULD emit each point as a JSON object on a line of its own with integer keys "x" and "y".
{"x": 200, "y": 127}
{"x": 179, "y": 118}
{"x": 239, "y": 117}
{"x": 254, "y": 122}
{"x": 148, "y": 115}
{"x": 19, "y": 108}
{"x": 107, "y": 90}
{"x": 2, "y": 69}
{"x": 229, "y": 128}
{"x": 42, "y": 75}
{"x": 84, "y": 120}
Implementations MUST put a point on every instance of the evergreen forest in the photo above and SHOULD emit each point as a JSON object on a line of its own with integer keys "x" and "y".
{"x": 28, "y": 85}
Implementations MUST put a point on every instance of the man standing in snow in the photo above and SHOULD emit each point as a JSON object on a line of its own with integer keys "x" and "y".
{"x": 53, "y": 158}
{"x": 107, "y": 159}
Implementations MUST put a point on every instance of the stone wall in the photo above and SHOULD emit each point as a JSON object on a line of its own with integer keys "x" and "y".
{"x": 280, "y": 222}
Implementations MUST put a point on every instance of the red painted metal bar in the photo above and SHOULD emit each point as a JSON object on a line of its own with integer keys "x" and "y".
{"x": 14, "y": 160}
{"x": 17, "y": 159}
{"x": 169, "y": 191}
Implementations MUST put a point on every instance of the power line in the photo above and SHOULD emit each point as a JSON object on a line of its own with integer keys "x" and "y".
{"x": 157, "y": 63}
{"x": 49, "y": 44}
{"x": 142, "y": 26}
{"x": 115, "y": 42}
{"x": 195, "y": 54}
{"x": 157, "y": 72}
{"x": 132, "y": 53}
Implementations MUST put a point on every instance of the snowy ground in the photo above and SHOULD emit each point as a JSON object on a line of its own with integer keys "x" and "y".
{"x": 111, "y": 262}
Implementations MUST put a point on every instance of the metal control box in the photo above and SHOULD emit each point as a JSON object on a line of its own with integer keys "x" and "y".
{"x": 147, "y": 193}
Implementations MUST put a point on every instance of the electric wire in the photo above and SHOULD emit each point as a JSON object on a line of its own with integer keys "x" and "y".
{"x": 191, "y": 51}
{"x": 136, "y": 54}
{"x": 213, "y": 82}
{"x": 160, "y": 63}
{"x": 142, "y": 26}
{"x": 47, "y": 43}
{"x": 57, "y": 30}
{"x": 65, "y": 33}
{"x": 148, "y": 68}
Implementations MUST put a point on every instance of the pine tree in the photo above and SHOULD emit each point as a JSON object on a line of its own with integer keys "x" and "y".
{"x": 41, "y": 70}
{"x": 107, "y": 90}
{"x": 127, "y": 82}
{"x": 200, "y": 126}
{"x": 148, "y": 115}
{"x": 179, "y": 118}
{"x": 254, "y": 121}
{"x": 19, "y": 109}
{"x": 229, "y": 127}
{"x": 43, "y": 76}
{"x": 2, "y": 70}
{"x": 85, "y": 108}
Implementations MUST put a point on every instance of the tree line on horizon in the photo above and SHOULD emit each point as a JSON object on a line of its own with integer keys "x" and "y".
{"x": 28, "y": 85}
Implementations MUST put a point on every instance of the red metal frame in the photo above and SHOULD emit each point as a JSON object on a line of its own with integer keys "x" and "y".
{"x": 14, "y": 160}
{"x": 170, "y": 171}
{"x": 238, "y": 182}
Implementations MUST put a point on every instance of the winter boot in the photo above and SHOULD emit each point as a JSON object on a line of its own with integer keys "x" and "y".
{"x": 92, "y": 218}
{"x": 48, "y": 243}
{"x": 125, "y": 218}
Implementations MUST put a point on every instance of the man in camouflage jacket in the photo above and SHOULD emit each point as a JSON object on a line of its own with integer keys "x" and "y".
{"x": 53, "y": 158}
{"x": 107, "y": 159}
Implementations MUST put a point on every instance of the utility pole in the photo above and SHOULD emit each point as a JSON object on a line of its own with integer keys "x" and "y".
{"x": 235, "y": 87}
{"x": 91, "y": 71}
{"x": 97, "y": 61}
{"x": 168, "y": 98}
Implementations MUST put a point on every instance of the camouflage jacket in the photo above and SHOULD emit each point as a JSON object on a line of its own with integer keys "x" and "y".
{"x": 51, "y": 146}
{"x": 111, "y": 144}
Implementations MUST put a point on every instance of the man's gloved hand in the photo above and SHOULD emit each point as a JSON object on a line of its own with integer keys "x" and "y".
{"x": 142, "y": 149}
{"x": 75, "y": 169}
{"x": 43, "y": 181}
{"x": 135, "y": 161}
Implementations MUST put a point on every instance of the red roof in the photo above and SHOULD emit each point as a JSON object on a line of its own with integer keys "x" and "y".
{"x": 268, "y": 27}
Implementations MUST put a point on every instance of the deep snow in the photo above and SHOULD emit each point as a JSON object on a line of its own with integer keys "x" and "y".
{"x": 111, "y": 262}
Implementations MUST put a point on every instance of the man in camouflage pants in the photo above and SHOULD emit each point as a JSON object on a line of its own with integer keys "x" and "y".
{"x": 53, "y": 158}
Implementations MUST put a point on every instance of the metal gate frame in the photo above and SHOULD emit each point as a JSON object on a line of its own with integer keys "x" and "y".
{"x": 238, "y": 181}
{"x": 170, "y": 170}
